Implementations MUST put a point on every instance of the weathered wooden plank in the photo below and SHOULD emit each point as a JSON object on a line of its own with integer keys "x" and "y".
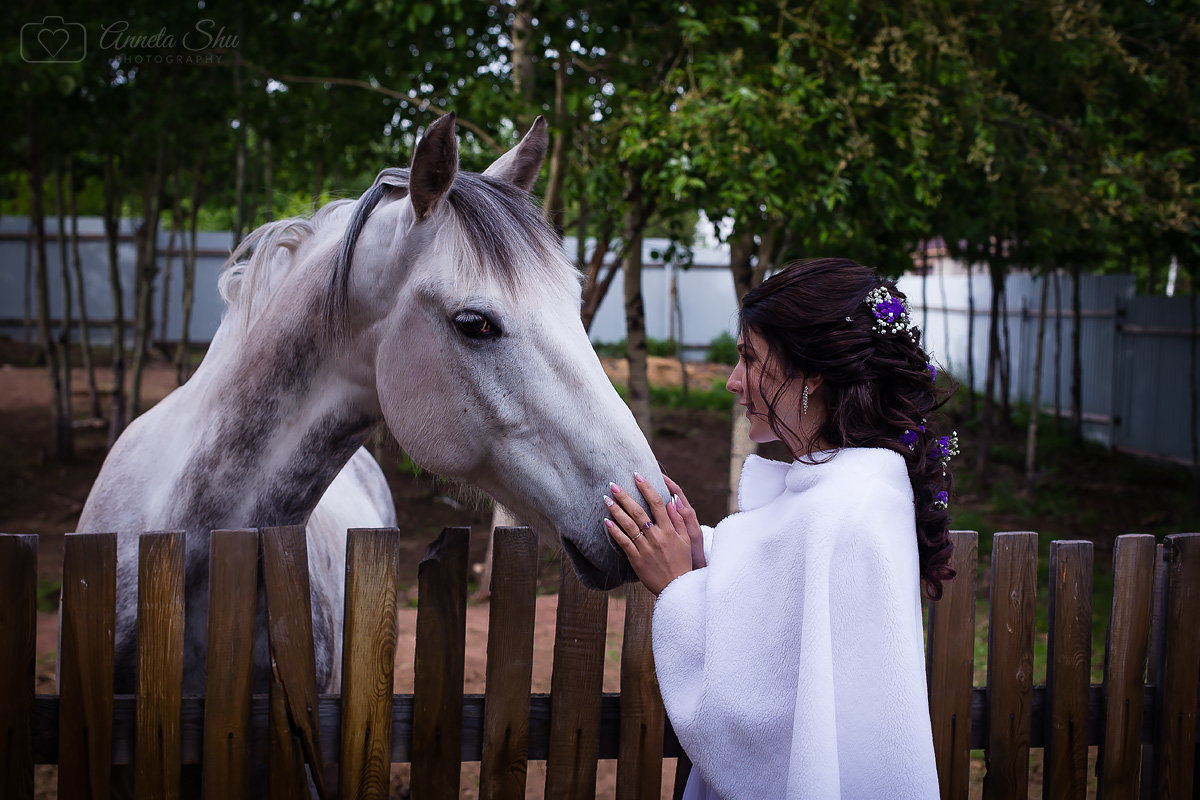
{"x": 1175, "y": 752}
{"x": 1154, "y": 660}
{"x": 294, "y": 722}
{"x": 951, "y": 667}
{"x": 157, "y": 750}
{"x": 1068, "y": 673}
{"x": 232, "y": 600}
{"x": 509, "y": 664}
{"x": 18, "y": 642}
{"x": 575, "y": 687}
{"x": 1010, "y": 665}
{"x": 1120, "y": 755}
{"x": 440, "y": 663}
{"x": 368, "y": 662}
{"x": 639, "y": 764}
{"x": 85, "y": 664}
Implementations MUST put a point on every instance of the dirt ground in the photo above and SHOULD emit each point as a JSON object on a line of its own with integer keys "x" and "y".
{"x": 40, "y": 496}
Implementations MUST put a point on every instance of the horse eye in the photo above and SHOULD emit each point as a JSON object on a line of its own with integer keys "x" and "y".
{"x": 474, "y": 325}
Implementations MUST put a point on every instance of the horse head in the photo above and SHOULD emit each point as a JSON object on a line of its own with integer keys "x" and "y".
{"x": 463, "y": 297}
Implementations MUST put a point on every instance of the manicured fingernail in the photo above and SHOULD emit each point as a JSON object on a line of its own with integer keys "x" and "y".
{"x": 637, "y": 476}
{"x": 609, "y": 524}
{"x": 675, "y": 499}
{"x": 608, "y": 501}
{"x": 615, "y": 489}
{"x": 671, "y": 504}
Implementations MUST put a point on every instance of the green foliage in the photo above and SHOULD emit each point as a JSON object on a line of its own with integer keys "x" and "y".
{"x": 722, "y": 349}
{"x": 714, "y": 398}
{"x": 48, "y": 593}
{"x": 664, "y": 348}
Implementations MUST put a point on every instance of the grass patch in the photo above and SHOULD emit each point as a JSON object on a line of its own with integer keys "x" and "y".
{"x": 48, "y": 593}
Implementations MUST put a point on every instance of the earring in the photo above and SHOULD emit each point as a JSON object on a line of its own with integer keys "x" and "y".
{"x": 804, "y": 401}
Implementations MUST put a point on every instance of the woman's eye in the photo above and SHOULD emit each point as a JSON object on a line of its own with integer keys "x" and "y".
{"x": 475, "y": 325}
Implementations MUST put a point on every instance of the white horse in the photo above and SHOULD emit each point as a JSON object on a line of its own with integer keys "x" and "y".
{"x": 440, "y": 303}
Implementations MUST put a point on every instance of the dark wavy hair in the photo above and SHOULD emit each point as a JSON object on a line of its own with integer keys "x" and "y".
{"x": 875, "y": 386}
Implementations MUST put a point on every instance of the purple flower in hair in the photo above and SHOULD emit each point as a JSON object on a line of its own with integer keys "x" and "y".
{"x": 910, "y": 438}
{"x": 932, "y": 372}
{"x": 941, "y": 500}
{"x": 946, "y": 447}
{"x": 890, "y": 312}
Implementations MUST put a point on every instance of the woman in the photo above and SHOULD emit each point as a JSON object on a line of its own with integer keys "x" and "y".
{"x": 788, "y": 640}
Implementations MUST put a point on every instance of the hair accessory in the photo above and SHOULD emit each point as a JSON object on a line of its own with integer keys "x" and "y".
{"x": 932, "y": 372}
{"x": 946, "y": 447}
{"x": 910, "y": 438}
{"x": 941, "y": 500}
{"x": 891, "y": 313}
{"x": 804, "y": 401}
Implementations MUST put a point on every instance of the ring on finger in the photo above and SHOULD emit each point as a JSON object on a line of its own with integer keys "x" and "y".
{"x": 647, "y": 525}
{"x": 640, "y": 535}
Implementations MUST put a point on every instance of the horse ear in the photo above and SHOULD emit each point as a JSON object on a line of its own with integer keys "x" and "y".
{"x": 521, "y": 165}
{"x": 435, "y": 163}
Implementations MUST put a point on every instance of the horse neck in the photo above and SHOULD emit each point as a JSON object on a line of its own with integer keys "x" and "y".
{"x": 280, "y": 416}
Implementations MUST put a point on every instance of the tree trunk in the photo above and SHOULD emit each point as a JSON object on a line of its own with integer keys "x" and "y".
{"x": 183, "y": 356}
{"x": 1076, "y": 357}
{"x": 996, "y": 273}
{"x": 28, "y": 322}
{"x": 635, "y": 313}
{"x": 174, "y": 242}
{"x": 1035, "y": 400}
{"x": 552, "y": 208}
{"x": 522, "y": 57}
{"x": 970, "y": 340}
{"x": 740, "y": 446}
{"x": 741, "y": 251}
{"x": 118, "y": 411}
{"x": 1194, "y": 382}
{"x": 1004, "y": 356}
{"x": 1058, "y": 350}
{"x": 85, "y": 334}
{"x": 66, "y": 450}
{"x": 60, "y": 428}
{"x": 146, "y": 272}
{"x": 268, "y": 181}
{"x": 596, "y": 287}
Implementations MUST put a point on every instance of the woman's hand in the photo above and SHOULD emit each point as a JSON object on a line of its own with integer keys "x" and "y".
{"x": 657, "y": 544}
{"x": 691, "y": 526}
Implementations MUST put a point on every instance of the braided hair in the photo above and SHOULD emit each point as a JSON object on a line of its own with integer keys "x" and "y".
{"x": 878, "y": 385}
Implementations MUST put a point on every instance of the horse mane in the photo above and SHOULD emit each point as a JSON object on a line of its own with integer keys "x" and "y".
{"x": 508, "y": 240}
{"x": 259, "y": 263}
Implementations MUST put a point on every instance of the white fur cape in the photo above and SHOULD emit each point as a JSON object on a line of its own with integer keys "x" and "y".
{"x": 793, "y": 665}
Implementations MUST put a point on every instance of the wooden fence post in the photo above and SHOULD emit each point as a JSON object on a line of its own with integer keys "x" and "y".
{"x": 575, "y": 689}
{"x": 1010, "y": 665}
{"x": 512, "y": 602}
{"x": 440, "y": 666}
{"x": 1175, "y": 753}
{"x": 229, "y": 668}
{"x": 1068, "y": 674}
{"x": 294, "y": 720}
{"x": 157, "y": 749}
{"x": 639, "y": 763}
{"x": 951, "y": 667}
{"x": 368, "y": 662}
{"x": 18, "y": 640}
{"x": 1124, "y": 664}
{"x": 85, "y": 664}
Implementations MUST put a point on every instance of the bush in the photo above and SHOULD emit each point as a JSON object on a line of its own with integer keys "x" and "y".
{"x": 722, "y": 350}
{"x": 654, "y": 347}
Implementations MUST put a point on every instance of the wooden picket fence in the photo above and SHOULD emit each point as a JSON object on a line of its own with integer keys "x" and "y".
{"x": 1143, "y": 717}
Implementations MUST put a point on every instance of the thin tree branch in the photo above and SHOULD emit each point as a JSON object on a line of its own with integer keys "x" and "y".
{"x": 421, "y": 105}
